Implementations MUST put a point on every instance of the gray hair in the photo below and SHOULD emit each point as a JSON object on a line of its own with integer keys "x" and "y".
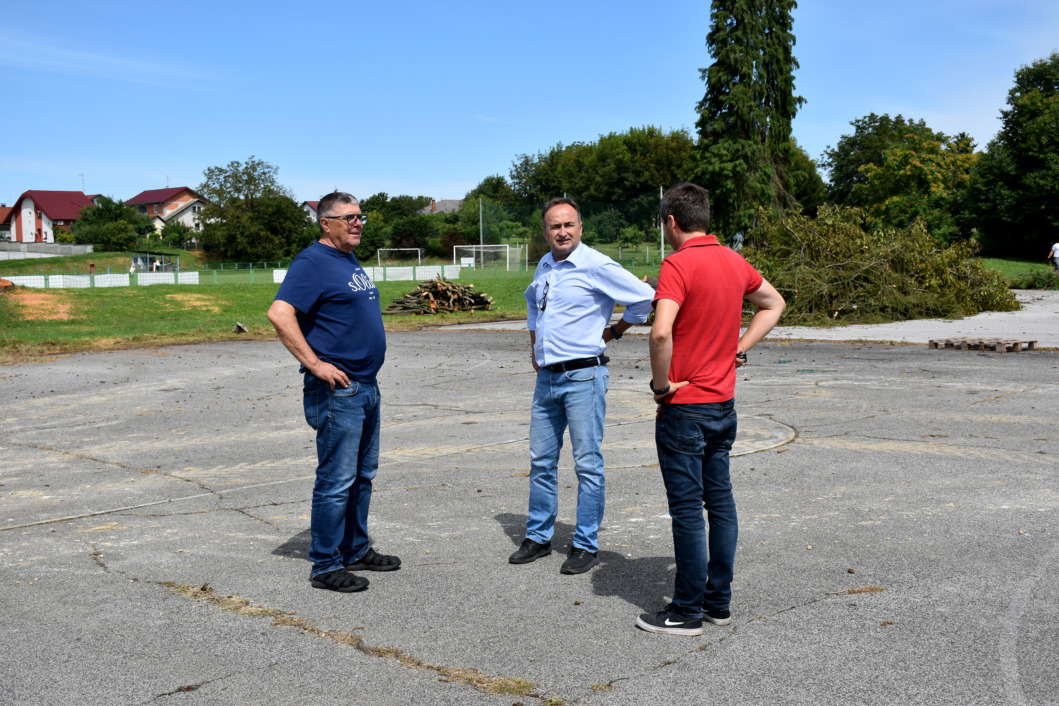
{"x": 327, "y": 204}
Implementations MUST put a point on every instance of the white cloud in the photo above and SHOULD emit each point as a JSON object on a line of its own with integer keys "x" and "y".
{"x": 34, "y": 52}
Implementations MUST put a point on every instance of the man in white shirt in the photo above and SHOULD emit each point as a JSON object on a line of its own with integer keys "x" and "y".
{"x": 1054, "y": 255}
{"x": 569, "y": 305}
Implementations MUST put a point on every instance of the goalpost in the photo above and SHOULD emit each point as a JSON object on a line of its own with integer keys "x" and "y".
{"x": 417, "y": 251}
{"x": 479, "y": 255}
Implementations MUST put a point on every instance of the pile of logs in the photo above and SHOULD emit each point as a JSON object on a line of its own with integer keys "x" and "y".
{"x": 440, "y": 296}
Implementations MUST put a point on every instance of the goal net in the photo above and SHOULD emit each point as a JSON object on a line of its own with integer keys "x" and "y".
{"x": 481, "y": 255}
{"x": 401, "y": 254}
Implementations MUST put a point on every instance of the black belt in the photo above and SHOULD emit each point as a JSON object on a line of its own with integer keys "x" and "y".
{"x": 578, "y": 364}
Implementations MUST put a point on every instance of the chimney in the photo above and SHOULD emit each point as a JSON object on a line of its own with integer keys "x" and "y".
{"x": 433, "y": 206}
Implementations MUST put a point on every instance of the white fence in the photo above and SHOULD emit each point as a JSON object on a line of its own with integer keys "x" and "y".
{"x": 397, "y": 274}
{"x": 143, "y": 279}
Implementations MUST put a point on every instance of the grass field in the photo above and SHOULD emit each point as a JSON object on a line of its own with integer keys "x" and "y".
{"x": 1016, "y": 268}
{"x": 35, "y": 322}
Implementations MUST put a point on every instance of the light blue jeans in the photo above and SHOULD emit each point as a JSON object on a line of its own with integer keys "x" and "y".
{"x": 347, "y": 423}
{"x": 577, "y": 399}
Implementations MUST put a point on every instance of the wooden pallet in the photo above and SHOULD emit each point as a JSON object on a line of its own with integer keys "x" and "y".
{"x": 998, "y": 345}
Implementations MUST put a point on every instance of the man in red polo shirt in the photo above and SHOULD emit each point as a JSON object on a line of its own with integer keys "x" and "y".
{"x": 695, "y": 349}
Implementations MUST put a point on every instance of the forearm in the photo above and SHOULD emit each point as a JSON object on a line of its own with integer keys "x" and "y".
{"x": 661, "y": 348}
{"x": 763, "y": 322}
{"x": 290, "y": 335}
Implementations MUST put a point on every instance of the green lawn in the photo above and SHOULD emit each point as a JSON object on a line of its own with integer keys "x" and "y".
{"x": 47, "y": 321}
{"x": 1010, "y": 267}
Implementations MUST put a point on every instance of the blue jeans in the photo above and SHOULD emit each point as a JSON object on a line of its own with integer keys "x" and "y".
{"x": 577, "y": 399}
{"x": 347, "y": 424}
{"x": 693, "y": 442}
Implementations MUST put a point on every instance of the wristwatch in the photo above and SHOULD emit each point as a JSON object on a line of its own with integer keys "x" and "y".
{"x": 664, "y": 390}
{"x": 614, "y": 332}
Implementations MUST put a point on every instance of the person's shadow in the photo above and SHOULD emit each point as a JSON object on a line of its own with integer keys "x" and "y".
{"x": 640, "y": 582}
{"x": 297, "y": 547}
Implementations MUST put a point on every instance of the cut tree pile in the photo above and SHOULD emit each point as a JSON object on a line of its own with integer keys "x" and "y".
{"x": 440, "y": 296}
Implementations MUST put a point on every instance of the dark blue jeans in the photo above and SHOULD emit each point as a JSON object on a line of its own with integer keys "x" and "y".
{"x": 693, "y": 442}
{"x": 347, "y": 422}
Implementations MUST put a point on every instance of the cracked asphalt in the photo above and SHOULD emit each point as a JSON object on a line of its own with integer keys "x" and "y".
{"x": 129, "y": 479}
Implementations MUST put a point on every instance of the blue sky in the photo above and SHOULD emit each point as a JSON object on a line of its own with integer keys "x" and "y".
{"x": 429, "y": 98}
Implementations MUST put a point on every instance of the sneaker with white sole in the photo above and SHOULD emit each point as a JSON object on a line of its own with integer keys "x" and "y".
{"x": 668, "y": 622}
{"x": 717, "y": 617}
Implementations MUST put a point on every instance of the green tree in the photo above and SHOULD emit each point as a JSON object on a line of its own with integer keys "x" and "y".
{"x": 111, "y": 225}
{"x": 901, "y": 170}
{"x": 495, "y": 188}
{"x": 872, "y": 136}
{"x": 629, "y": 237}
{"x": 174, "y": 233}
{"x": 606, "y": 224}
{"x": 250, "y": 215}
{"x": 920, "y": 179}
{"x": 1015, "y": 190}
{"x": 413, "y": 232}
{"x": 262, "y": 228}
{"x": 616, "y": 169}
{"x": 744, "y": 123}
{"x": 804, "y": 181}
{"x": 241, "y": 181}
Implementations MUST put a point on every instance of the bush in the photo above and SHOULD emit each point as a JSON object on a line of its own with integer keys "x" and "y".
{"x": 1037, "y": 279}
{"x": 830, "y": 269}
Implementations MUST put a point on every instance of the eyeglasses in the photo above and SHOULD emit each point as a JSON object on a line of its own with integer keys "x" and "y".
{"x": 351, "y": 218}
{"x": 543, "y": 303}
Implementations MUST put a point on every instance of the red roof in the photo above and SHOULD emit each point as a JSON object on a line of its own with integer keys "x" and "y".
{"x": 157, "y": 195}
{"x": 58, "y": 205}
{"x": 4, "y": 213}
{"x": 314, "y": 204}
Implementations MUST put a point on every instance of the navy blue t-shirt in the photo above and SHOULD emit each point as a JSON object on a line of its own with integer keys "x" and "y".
{"x": 338, "y": 310}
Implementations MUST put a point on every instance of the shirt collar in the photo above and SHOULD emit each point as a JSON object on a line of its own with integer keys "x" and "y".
{"x": 699, "y": 241}
{"x": 575, "y": 258}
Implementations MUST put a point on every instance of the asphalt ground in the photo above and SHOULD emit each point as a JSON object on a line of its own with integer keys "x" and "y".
{"x": 899, "y": 537}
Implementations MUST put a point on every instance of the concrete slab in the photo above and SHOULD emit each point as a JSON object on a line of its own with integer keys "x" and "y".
{"x": 129, "y": 481}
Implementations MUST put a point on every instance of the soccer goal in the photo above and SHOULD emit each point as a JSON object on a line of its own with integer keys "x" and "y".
{"x": 417, "y": 251}
{"x": 481, "y": 255}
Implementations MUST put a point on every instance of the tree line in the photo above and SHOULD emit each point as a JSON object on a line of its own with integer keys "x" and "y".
{"x": 897, "y": 171}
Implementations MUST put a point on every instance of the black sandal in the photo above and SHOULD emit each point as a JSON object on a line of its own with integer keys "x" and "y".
{"x": 373, "y": 561}
{"x": 340, "y": 580}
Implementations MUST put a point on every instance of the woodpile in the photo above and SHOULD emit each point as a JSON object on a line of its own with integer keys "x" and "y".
{"x": 440, "y": 296}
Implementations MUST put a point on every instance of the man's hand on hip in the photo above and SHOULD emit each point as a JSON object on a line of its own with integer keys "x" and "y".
{"x": 329, "y": 374}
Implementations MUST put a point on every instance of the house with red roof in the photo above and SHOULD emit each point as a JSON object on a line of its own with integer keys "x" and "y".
{"x": 310, "y": 208}
{"x": 164, "y": 205}
{"x": 5, "y": 227}
{"x": 38, "y": 214}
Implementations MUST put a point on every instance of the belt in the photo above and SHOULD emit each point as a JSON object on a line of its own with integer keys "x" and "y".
{"x": 578, "y": 363}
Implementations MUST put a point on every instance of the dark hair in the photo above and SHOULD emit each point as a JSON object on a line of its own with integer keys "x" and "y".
{"x": 328, "y": 203}
{"x": 689, "y": 204}
{"x": 560, "y": 201}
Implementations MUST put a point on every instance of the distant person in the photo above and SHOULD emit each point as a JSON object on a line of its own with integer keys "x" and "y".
{"x": 327, "y": 315}
{"x": 569, "y": 304}
{"x": 695, "y": 348}
{"x": 1053, "y": 254}
{"x": 737, "y": 241}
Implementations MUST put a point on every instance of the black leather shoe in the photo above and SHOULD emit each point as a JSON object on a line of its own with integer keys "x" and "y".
{"x": 530, "y": 551}
{"x": 579, "y": 561}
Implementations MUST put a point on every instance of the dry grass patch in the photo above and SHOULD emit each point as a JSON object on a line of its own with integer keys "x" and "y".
{"x": 194, "y": 301}
{"x": 42, "y": 306}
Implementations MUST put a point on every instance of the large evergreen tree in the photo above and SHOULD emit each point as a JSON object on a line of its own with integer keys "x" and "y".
{"x": 1014, "y": 193}
{"x": 744, "y": 123}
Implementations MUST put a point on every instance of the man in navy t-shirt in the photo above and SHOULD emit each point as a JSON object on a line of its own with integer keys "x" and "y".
{"x": 327, "y": 314}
